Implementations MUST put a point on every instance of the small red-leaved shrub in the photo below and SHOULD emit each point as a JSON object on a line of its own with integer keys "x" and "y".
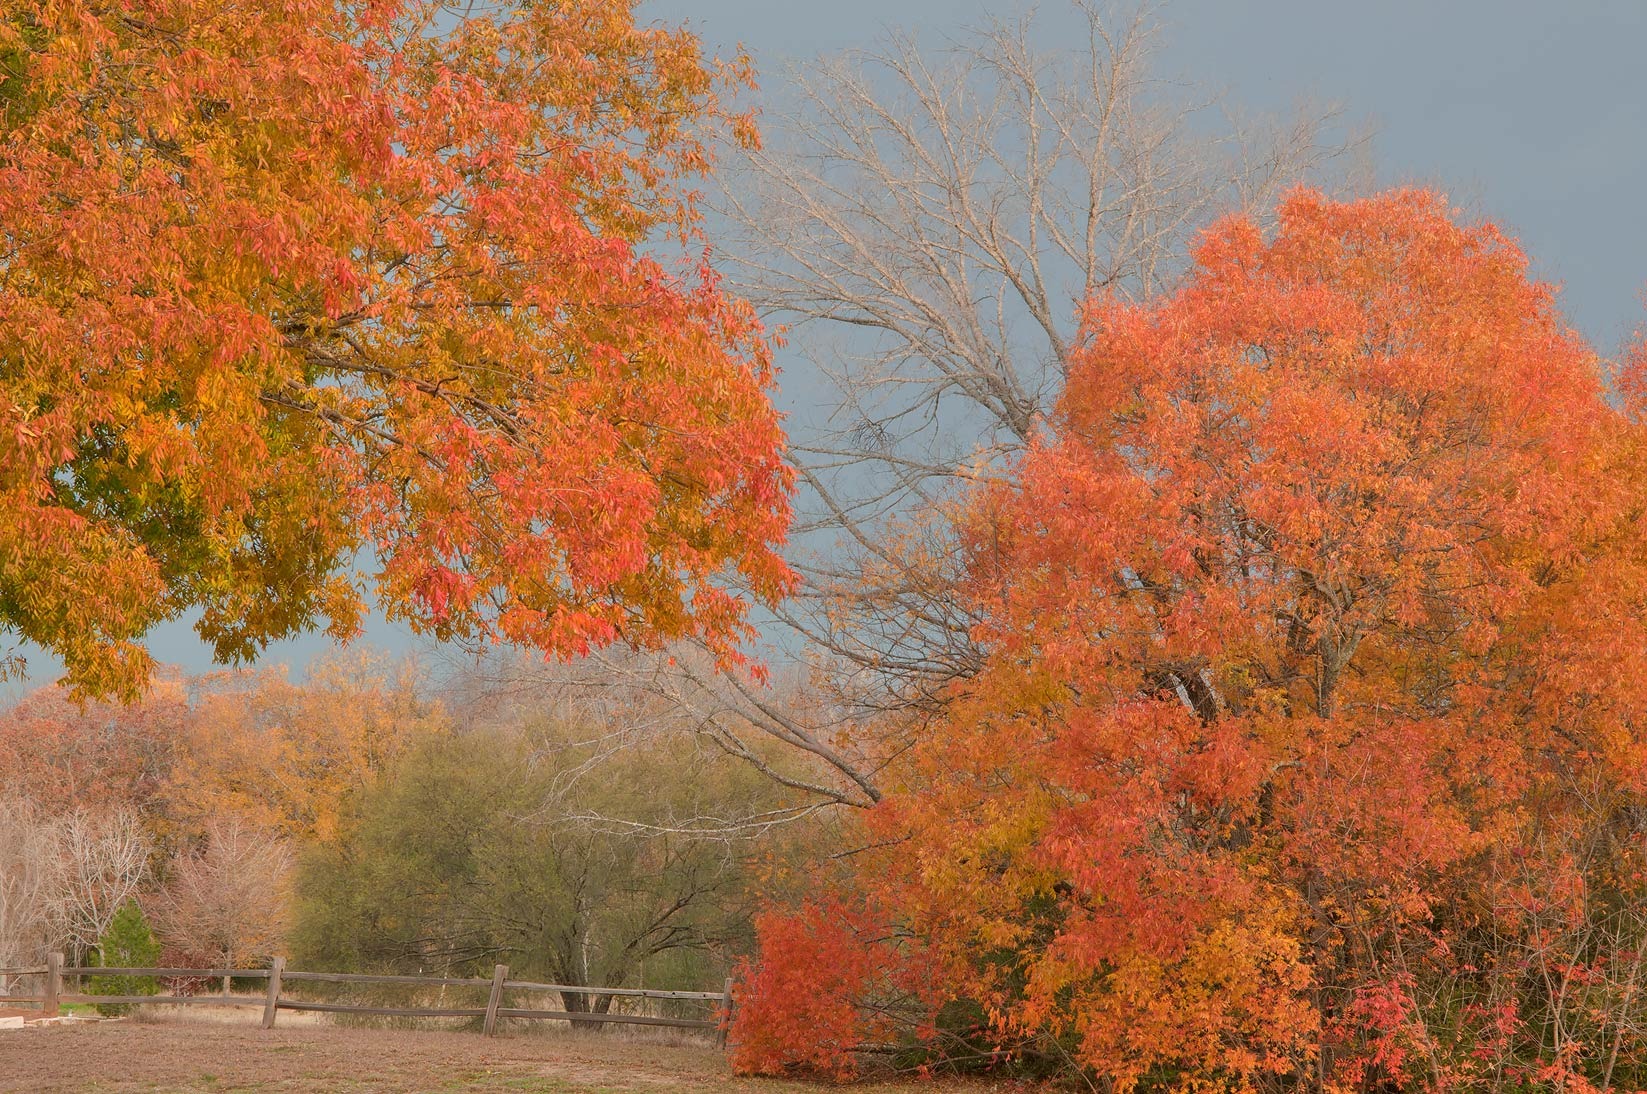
{"x": 827, "y": 984}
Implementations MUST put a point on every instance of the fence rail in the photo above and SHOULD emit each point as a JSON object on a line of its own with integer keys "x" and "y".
{"x": 273, "y": 1001}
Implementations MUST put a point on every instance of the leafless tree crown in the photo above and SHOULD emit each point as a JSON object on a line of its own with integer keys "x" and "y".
{"x": 929, "y": 224}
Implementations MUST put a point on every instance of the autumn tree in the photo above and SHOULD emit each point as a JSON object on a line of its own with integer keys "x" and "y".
{"x": 285, "y": 757}
{"x": 63, "y": 755}
{"x": 290, "y": 286}
{"x": 1307, "y": 750}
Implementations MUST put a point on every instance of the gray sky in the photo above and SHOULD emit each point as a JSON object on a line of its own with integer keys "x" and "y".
{"x": 1533, "y": 113}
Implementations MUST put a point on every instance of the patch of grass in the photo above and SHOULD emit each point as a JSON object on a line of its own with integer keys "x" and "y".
{"x": 488, "y": 1082}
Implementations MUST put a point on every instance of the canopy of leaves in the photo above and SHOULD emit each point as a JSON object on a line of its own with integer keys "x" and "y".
{"x": 287, "y": 758}
{"x": 65, "y": 755}
{"x": 1308, "y": 749}
{"x": 284, "y": 286}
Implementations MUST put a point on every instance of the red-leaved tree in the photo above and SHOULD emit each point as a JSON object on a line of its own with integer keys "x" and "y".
{"x": 1309, "y": 750}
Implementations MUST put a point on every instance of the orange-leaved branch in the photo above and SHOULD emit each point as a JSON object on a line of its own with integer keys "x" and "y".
{"x": 284, "y": 286}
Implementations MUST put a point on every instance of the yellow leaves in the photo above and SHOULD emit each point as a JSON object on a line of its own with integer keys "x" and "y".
{"x": 288, "y": 759}
{"x": 1231, "y": 1010}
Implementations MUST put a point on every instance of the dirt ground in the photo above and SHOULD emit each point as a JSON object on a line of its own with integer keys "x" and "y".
{"x": 181, "y": 1056}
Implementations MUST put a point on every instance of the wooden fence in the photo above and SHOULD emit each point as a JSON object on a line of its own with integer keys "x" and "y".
{"x": 277, "y": 976}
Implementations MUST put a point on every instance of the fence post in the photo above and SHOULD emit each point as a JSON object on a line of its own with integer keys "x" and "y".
{"x": 54, "y": 984}
{"x": 272, "y": 1002}
{"x": 500, "y": 973}
{"x": 726, "y": 1015}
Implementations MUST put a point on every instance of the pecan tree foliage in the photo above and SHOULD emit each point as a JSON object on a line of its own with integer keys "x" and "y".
{"x": 282, "y": 286}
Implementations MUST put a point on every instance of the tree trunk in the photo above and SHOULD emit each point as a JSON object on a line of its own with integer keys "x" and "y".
{"x": 577, "y": 1003}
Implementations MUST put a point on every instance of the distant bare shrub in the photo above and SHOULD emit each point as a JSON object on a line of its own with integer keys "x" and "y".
{"x": 226, "y": 902}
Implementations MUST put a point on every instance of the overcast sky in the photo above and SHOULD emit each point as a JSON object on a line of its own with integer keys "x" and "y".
{"x": 1534, "y": 113}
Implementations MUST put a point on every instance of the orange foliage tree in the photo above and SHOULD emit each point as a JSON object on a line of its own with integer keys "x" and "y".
{"x": 287, "y": 283}
{"x": 1308, "y": 751}
{"x": 283, "y": 758}
{"x": 252, "y": 746}
{"x": 64, "y": 755}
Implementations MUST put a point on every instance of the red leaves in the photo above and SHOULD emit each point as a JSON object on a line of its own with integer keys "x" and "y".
{"x": 1312, "y": 695}
{"x": 825, "y": 988}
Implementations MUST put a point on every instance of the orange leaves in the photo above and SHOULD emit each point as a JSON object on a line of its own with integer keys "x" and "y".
{"x": 289, "y": 284}
{"x": 281, "y": 757}
{"x": 1231, "y": 1012}
{"x": 1311, "y": 702}
{"x": 65, "y": 757}
{"x": 1357, "y": 431}
{"x": 288, "y": 760}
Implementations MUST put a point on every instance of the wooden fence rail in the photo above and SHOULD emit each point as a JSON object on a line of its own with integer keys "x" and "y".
{"x": 52, "y": 995}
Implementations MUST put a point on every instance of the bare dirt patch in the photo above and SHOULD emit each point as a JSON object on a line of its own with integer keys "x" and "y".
{"x": 185, "y": 1057}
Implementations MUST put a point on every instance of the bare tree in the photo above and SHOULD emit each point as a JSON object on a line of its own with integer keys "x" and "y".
{"x": 929, "y": 224}
{"x": 794, "y": 732}
{"x": 103, "y": 860}
{"x": 624, "y": 699}
{"x": 29, "y": 853}
{"x": 228, "y": 901}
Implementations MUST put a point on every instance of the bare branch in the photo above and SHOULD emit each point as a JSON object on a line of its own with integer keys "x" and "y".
{"x": 930, "y": 224}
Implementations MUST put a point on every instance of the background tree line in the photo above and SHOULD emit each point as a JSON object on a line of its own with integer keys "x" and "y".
{"x": 357, "y": 823}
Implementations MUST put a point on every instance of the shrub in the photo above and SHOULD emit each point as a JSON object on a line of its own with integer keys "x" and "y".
{"x": 128, "y": 943}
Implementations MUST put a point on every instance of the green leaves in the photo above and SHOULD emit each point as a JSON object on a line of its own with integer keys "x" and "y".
{"x": 129, "y": 943}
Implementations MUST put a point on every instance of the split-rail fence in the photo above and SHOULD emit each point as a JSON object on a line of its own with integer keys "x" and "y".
{"x": 278, "y": 977}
